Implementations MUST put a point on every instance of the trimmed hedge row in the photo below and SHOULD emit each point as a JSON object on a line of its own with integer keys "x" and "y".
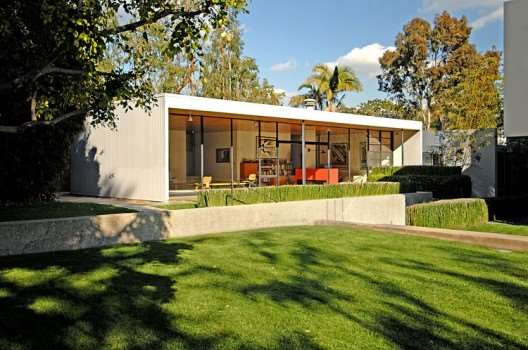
{"x": 223, "y": 197}
{"x": 448, "y": 213}
{"x": 376, "y": 174}
{"x": 443, "y": 187}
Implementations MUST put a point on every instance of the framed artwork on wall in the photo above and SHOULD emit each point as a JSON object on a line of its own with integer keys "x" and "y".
{"x": 267, "y": 147}
{"x": 222, "y": 155}
{"x": 339, "y": 155}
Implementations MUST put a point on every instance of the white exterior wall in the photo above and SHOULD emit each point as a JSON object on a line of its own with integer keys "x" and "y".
{"x": 516, "y": 68}
{"x": 128, "y": 162}
{"x": 412, "y": 148}
{"x": 133, "y": 160}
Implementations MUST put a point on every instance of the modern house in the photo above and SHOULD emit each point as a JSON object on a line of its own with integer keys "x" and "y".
{"x": 191, "y": 142}
{"x": 516, "y": 68}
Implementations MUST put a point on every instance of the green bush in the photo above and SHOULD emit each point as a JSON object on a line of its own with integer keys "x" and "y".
{"x": 448, "y": 213}
{"x": 376, "y": 174}
{"x": 33, "y": 163}
{"x": 443, "y": 187}
{"x": 507, "y": 208}
{"x": 214, "y": 198}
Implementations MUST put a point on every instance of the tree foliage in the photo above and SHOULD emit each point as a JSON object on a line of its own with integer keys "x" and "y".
{"x": 56, "y": 70}
{"x": 53, "y": 54}
{"x": 328, "y": 86}
{"x": 431, "y": 63}
{"x": 382, "y": 108}
{"x": 225, "y": 73}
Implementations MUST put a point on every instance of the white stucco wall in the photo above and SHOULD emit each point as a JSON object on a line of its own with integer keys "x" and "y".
{"x": 128, "y": 162}
{"x": 412, "y": 148}
{"x": 516, "y": 68}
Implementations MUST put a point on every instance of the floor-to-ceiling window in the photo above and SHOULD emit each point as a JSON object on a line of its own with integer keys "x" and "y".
{"x": 264, "y": 153}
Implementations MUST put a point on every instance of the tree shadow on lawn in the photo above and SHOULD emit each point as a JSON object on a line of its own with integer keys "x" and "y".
{"x": 114, "y": 298}
{"x": 91, "y": 299}
{"x": 404, "y": 319}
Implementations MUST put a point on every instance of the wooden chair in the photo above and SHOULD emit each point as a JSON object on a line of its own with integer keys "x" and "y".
{"x": 251, "y": 180}
{"x": 206, "y": 182}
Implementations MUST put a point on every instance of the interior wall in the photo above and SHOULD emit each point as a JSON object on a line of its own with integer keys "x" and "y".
{"x": 177, "y": 150}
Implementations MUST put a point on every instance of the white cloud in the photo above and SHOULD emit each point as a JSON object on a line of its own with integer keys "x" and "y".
{"x": 491, "y": 17}
{"x": 363, "y": 60}
{"x": 452, "y": 5}
{"x": 284, "y": 67}
{"x": 491, "y": 10}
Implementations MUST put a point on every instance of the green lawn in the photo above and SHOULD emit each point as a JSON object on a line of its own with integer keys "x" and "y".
{"x": 178, "y": 206}
{"x": 292, "y": 288}
{"x": 498, "y": 227}
{"x": 57, "y": 210}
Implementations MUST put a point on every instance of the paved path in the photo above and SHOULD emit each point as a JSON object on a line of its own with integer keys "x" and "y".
{"x": 139, "y": 205}
{"x": 491, "y": 240}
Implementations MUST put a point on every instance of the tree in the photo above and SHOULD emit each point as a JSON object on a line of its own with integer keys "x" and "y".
{"x": 475, "y": 101}
{"x": 382, "y": 108}
{"x": 328, "y": 87}
{"x": 225, "y": 73}
{"x": 55, "y": 72}
{"x": 428, "y": 62}
{"x": 52, "y": 54}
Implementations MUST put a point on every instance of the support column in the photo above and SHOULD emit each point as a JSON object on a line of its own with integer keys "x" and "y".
{"x": 328, "y": 158}
{"x": 258, "y": 157}
{"x": 303, "y": 155}
{"x": 349, "y": 159}
{"x": 277, "y": 154}
{"x": 201, "y": 152}
{"x": 402, "y": 143}
{"x": 231, "y": 157}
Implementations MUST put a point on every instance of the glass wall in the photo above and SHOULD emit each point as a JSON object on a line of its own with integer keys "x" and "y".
{"x": 268, "y": 153}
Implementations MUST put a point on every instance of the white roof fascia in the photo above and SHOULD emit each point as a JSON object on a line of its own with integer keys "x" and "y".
{"x": 211, "y": 105}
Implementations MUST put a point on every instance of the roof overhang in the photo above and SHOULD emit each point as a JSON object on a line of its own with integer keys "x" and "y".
{"x": 210, "y": 106}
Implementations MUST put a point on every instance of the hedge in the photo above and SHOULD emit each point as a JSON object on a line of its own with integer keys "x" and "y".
{"x": 33, "y": 163}
{"x": 376, "y": 174}
{"x": 448, "y": 213}
{"x": 443, "y": 187}
{"x": 506, "y": 208}
{"x": 223, "y": 197}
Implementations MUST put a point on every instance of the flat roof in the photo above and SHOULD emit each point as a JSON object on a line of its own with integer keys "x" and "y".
{"x": 212, "y": 105}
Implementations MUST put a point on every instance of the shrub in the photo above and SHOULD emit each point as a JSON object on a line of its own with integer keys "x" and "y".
{"x": 33, "y": 163}
{"x": 213, "y": 198}
{"x": 448, "y": 213}
{"x": 443, "y": 187}
{"x": 506, "y": 208}
{"x": 375, "y": 174}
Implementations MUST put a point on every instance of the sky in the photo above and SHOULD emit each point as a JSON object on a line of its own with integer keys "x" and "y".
{"x": 288, "y": 37}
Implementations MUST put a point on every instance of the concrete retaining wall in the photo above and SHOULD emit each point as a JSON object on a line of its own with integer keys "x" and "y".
{"x": 103, "y": 230}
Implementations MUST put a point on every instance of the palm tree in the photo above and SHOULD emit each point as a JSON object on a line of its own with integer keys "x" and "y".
{"x": 328, "y": 87}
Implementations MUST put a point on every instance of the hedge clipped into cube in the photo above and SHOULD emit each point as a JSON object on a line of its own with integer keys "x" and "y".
{"x": 448, "y": 213}
{"x": 443, "y": 187}
{"x": 271, "y": 194}
{"x": 378, "y": 173}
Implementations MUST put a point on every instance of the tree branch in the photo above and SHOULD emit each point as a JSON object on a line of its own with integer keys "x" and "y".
{"x": 44, "y": 71}
{"x": 140, "y": 23}
{"x": 21, "y": 128}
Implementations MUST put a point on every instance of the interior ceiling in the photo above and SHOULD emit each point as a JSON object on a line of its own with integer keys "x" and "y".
{"x": 219, "y": 122}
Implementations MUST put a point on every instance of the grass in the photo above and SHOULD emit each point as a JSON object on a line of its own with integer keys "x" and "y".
{"x": 499, "y": 227}
{"x": 58, "y": 210}
{"x": 293, "y": 288}
{"x": 178, "y": 206}
{"x": 270, "y": 194}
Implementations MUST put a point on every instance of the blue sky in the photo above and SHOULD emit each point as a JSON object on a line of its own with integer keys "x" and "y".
{"x": 287, "y": 37}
